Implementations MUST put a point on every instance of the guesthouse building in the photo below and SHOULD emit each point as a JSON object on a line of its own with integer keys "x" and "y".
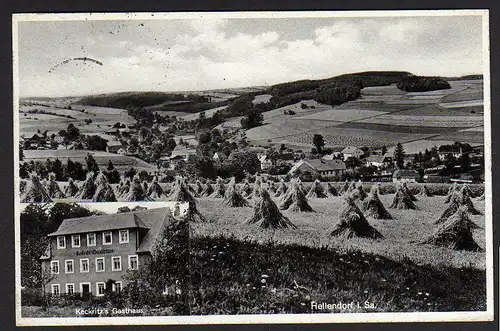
{"x": 85, "y": 253}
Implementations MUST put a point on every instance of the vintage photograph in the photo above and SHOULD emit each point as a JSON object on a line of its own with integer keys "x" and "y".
{"x": 256, "y": 167}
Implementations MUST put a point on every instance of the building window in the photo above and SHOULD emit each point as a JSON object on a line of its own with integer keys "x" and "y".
{"x": 61, "y": 242}
{"x": 56, "y": 289}
{"x": 107, "y": 238}
{"x": 70, "y": 289}
{"x": 118, "y": 286}
{"x": 116, "y": 263}
{"x": 100, "y": 288}
{"x": 54, "y": 267}
{"x": 99, "y": 264}
{"x": 133, "y": 263}
{"x": 90, "y": 239}
{"x": 84, "y": 265}
{"x": 123, "y": 238}
{"x": 69, "y": 266}
{"x": 75, "y": 240}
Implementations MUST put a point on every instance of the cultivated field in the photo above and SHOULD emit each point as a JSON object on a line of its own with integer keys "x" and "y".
{"x": 401, "y": 233}
{"x": 102, "y": 118}
{"x": 121, "y": 162}
{"x": 241, "y": 268}
{"x": 383, "y": 115}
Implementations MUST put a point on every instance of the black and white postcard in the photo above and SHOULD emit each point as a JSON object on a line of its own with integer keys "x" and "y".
{"x": 252, "y": 167}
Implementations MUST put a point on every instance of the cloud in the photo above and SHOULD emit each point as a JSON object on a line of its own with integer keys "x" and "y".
{"x": 210, "y": 53}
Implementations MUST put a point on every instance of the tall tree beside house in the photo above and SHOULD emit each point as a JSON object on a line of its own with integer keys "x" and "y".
{"x": 399, "y": 155}
{"x": 318, "y": 142}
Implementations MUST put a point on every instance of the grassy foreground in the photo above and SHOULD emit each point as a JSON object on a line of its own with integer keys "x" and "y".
{"x": 231, "y": 276}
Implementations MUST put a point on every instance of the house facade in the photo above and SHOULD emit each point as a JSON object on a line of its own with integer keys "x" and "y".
{"x": 379, "y": 161}
{"x": 446, "y": 150}
{"x": 320, "y": 167}
{"x": 352, "y": 152}
{"x": 84, "y": 253}
{"x": 404, "y": 175}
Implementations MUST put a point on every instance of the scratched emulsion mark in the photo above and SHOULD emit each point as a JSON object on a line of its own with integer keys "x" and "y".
{"x": 84, "y": 59}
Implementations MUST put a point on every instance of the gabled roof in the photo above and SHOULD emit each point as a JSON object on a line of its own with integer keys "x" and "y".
{"x": 377, "y": 158}
{"x": 138, "y": 219}
{"x": 351, "y": 150}
{"x": 321, "y": 165}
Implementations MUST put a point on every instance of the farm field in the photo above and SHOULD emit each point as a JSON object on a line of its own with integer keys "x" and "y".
{"x": 382, "y": 116}
{"x": 339, "y": 136}
{"x": 313, "y": 228}
{"x": 342, "y": 115}
{"x": 208, "y": 113}
{"x": 102, "y": 119}
{"x": 470, "y": 137}
{"x": 422, "y": 121}
{"x": 438, "y": 110}
{"x": 303, "y": 265}
{"x": 121, "y": 162}
{"x": 427, "y": 130}
{"x": 285, "y": 128}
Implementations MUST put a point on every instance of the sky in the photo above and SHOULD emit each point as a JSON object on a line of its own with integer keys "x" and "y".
{"x": 215, "y": 53}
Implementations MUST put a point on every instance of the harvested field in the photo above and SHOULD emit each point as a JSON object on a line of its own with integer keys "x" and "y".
{"x": 342, "y": 115}
{"x": 121, "y": 162}
{"x": 427, "y": 130}
{"x": 437, "y": 110}
{"x": 471, "y": 137}
{"x": 313, "y": 228}
{"x": 436, "y": 121}
{"x": 461, "y": 104}
{"x": 377, "y": 106}
{"x": 277, "y": 114}
{"x": 466, "y": 95}
{"x": 284, "y": 128}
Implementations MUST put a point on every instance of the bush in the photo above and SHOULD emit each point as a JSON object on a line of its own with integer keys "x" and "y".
{"x": 31, "y": 297}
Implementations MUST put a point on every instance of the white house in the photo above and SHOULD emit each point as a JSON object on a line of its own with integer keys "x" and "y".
{"x": 352, "y": 152}
{"x": 404, "y": 175}
{"x": 379, "y": 161}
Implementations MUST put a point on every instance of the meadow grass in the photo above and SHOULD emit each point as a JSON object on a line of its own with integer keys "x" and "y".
{"x": 231, "y": 276}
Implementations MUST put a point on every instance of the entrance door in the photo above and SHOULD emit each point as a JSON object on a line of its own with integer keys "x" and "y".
{"x": 86, "y": 290}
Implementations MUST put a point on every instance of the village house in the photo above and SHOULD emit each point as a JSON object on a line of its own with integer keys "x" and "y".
{"x": 352, "y": 152}
{"x": 446, "y": 150}
{"x": 379, "y": 161}
{"x": 404, "y": 175}
{"x": 332, "y": 156}
{"x": 116, "y": 147}
{"x": 320, "y": 167}
{"x": 84, "y": 253}
{"x": 181, "y": 154}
